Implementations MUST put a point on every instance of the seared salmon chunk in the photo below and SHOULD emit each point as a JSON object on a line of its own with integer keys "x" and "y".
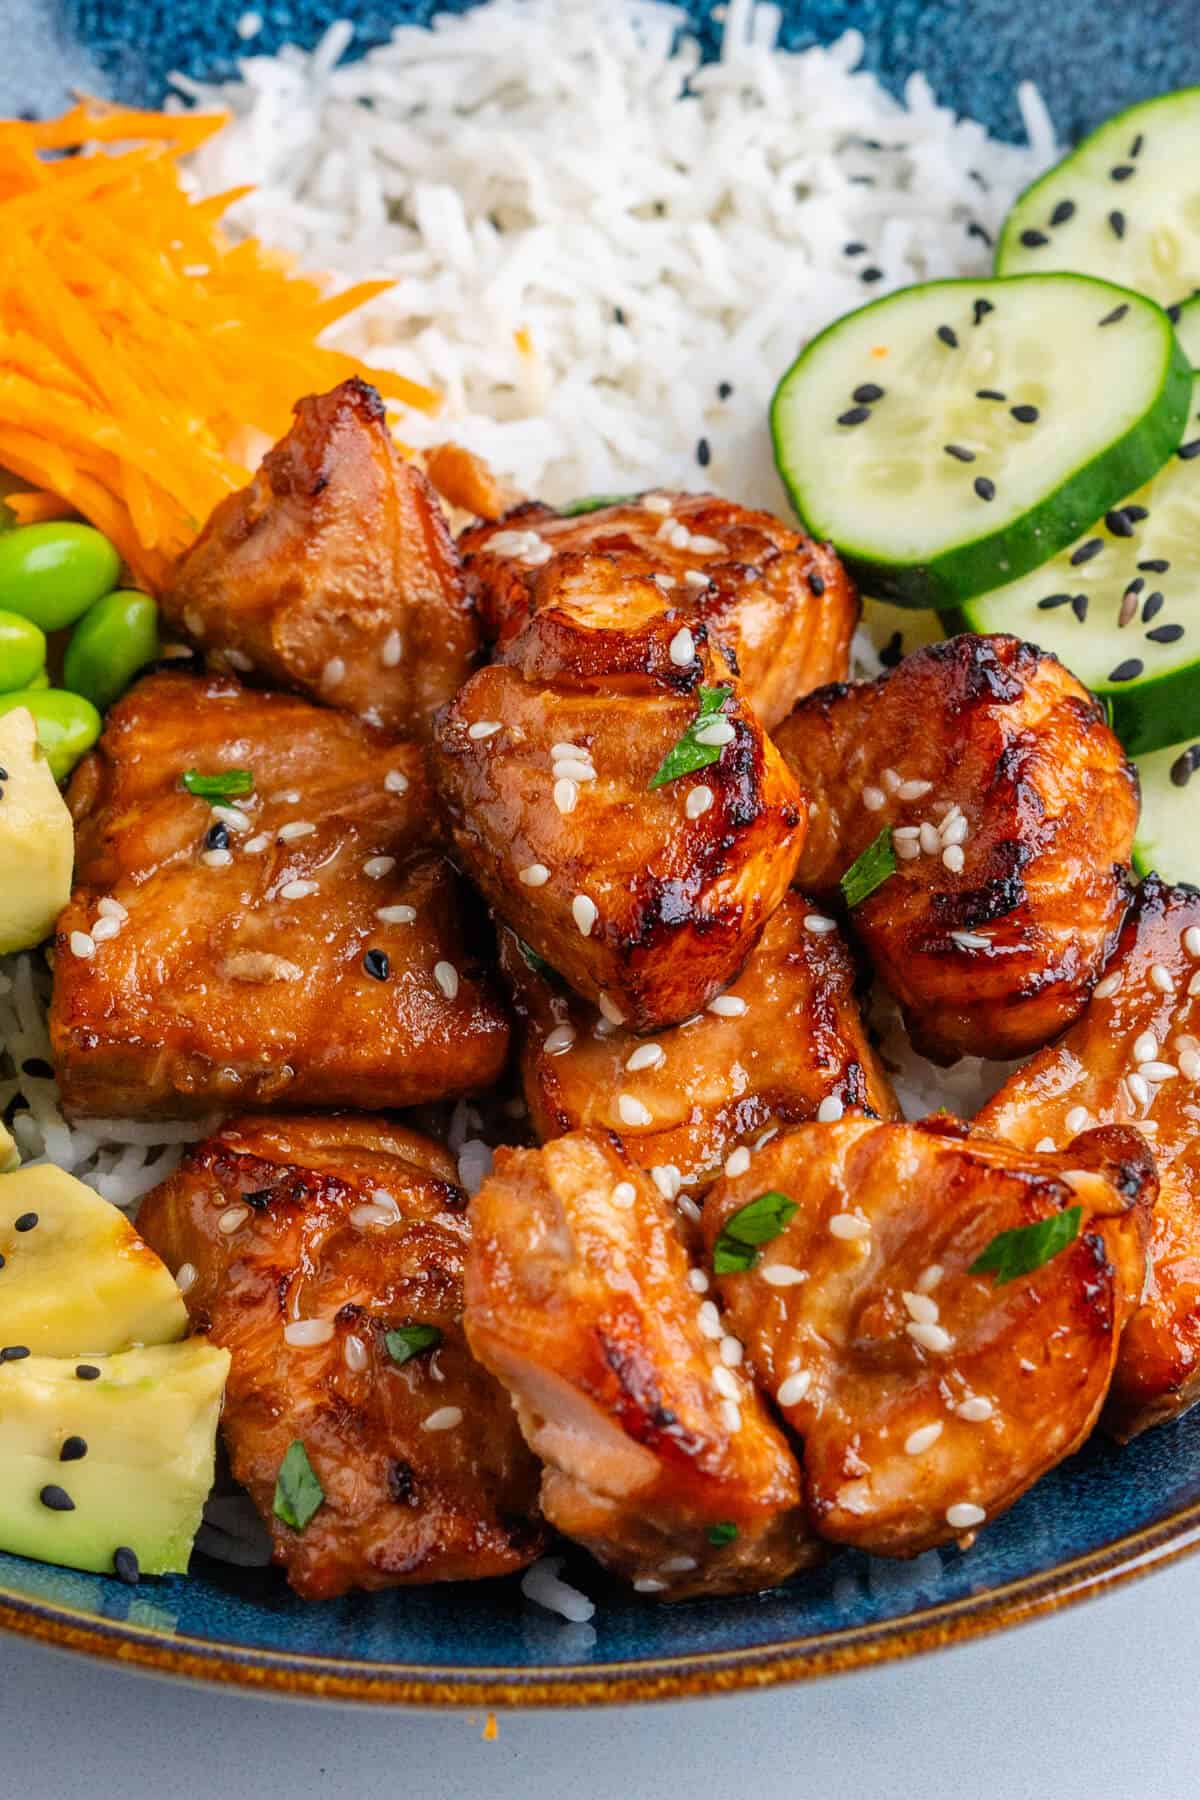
{"x": 259, "y": 917}
{"x": 928, "y": 1392}
{"x": 326, "y": 1255}
{"x": 660, "y": 1457}
{"x": 334, "y": 572}
{"x": 1010, "y": 810}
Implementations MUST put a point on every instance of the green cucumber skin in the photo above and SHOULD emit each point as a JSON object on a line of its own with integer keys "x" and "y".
{"x": 967, "y": 570}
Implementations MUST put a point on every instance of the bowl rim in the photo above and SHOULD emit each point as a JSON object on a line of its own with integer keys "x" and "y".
{"x": 298, "y": 1675}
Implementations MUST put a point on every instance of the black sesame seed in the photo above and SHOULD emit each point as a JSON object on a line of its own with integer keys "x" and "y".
{"x": 724, "y": 389}
{"x": 958, "y": 453}
{"x": 74, "y": 1449}
{"x": 1175, "y": 313}
{"x": 86, "y": 1372}
{"x": 984, "y": 488}
{"x": 1136, "y": 513}
{"x": 703, "y": 452}
{"x": 1, "y": 1262}
{"x": 1155, "y": 565}
{"x": 976, "y": 230}
{"x": 3, "y": 774}
{"x": 216, "y": 837}
{"x": 26, "y": 1222}
{"x": 1128, "y": 670}
{"x": 38, "y": 1067}
{"x": 1186, "y": 452}
{"x": 854, "y": 249}
{"x": 125, "y": 1566}
{"x": 1135, "y": 149}
{"x": 989, "y": 394}
{"x": 1025, "y": 415}
{"x": 1033, "y": 240}
{"x": 1063, "y": 211}
{"x": 816, "y": 585}
{"x": 258, "y": 1198}
{"x": 1184, "y": 766}
{"x": 1117, "y": 222}
{"x": 857, "y": 415}
{"x": 56, "y": 1498}
{"x": 870, "y": 274}
{"x": 1052, "y": 601}
{"x": 1137, "y": 584}
{"x": 376, "y": 964}
{"x": 1154, "y": 605}
{"x": 619, "y": 315}
{"x": 1119, "y": 523}
{"x": 1165, "y": 634}
{"x": 1085, "y": 552}
{"x": 981, "y": 309}
{"x": 867, "y": 393}
{"x": 1122, "y": 172}
{"x": 1079, "y": 606}
{"x": 1117, "y": 314}
{"x": 893, "y": 651}
{"x": 947, "y": 336}
{"x": 14, "y": 1353}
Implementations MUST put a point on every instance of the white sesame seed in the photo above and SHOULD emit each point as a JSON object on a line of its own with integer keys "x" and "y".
{"x": 849, "y": 1225}
{"x": 1139, "y": 1091}
{"x": 302, "y": 1333}
{"x": 657, "y": 503}
{"x": 913, "y": 790}
{"x": 764, "y": 1137}
{"x": 611, "y": 1010}
{"x": 631, "y": 1111}
{"x": 1191, "y": 940}
{"x": 731, "y": 1351}
{"x": 921, "y": 1307}
{"x": 698, "y": 1281}
{"x": 444, "y": 1419}
{"x": 1162, "y": 978}
{"x": 687, "y": 1208}
{"x": 376, "y": 867}
{"x": 186, "y": 1277}
{"x": 583, "y": 911}
{"x": 1145, "y": 1047}
{"x": 1076, "y": 1119}
{"x": 678, "y": 1565}
{"x": 702, "y": 545}
{"x": 573, "y": 768}
{"x": 682, "y": 648}
{"x": 392, "y": 650}
{"x": 534, "y": 875}
{"x": 231, "y": 1218}
{"x": 906, "y": 834}
{"x": 783, "y": 1275}
{"x": 1045, "y": 1144}
{"x": 818, "y": 924}
{"x": 256, "y": 845}
{"x": 193, "y": 623}
{"x": 603, "y": 1028}
{"x": 396, "y": 915}
{"x": 1148, "y": 1127}
{"x": 954, "y": 830}
{"x": 678, "y": 536}
{"x": 929, "y": 1277}
{"x": 710, "y": 1321}
{"x": 971, "y": 940}
{"x": 696, "y": 578}
{"x": 963, "y": 1514}
{"x": 731, "y": 1416}
{"x": 1189, "y": 1064}
{"x": 928, "y": 838}
{"x": 298, "y": 890}
{"x": 929, "y": 1336}
{"x": 108, "y": 908}
{"x": 649, "y": 1584}
{"x": 566, "y": 795}
{"x": 295, "y": 828}
{"x": 566, "y": 749}
{"x": 1157, "y": 1071}
{"x": 891, "y": 781}
{"x": 354, "y": 1351}
{"x": 333, "y": 672}
{"x": 698, "y": 801}
{"x": 924, "y": 1438}
{"x": 104, "y": 929}
{"x": 216, "y": 859}
{"x": 792, "y": 1390}
{"x": 537, "y": 554}
{"x": 1104, "y": 988}
{"x": 725, "y": 1383}
{"x": 667, "y": 1179}
{"x": 975, "y": 1409}
{"x": 396, "y": 781}
{"x": 285, "y": 797}
{"x": 446, "y": 976}
{"x": 727, "y": 1006}
{"x": 737, "y": 1162}
{"x": 623, "y": 1195}
{"x": 558, "y": 1041}
{"x": 953, "y": 859}
{"x": 830, "y": 1110}
{"x": 510, "y": 543}
{"x": 646, "y": 1056}
{"x": 1193, "y": 987}
{"x": 715, "y": 733}
{"x": 230, "y": 816}
{"x": 906, "y": 849}
{"x": 874, "y": 799}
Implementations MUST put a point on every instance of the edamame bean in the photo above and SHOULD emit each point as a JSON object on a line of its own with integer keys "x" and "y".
{"x": 117, "y": 636}
{"x": 40, "y": 680}
{"x": 67, "y": 724}
{"x": 52, "y": 573}
{"x": 22, "y": 651}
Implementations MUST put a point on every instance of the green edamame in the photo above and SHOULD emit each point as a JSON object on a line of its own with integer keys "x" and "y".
{"x": 52, "y": 573}
{"x": 40, "y": 680}
{"x": 22, "y": 651}
{"x": 67, "y": 724}
{"x": 117, "y": 636}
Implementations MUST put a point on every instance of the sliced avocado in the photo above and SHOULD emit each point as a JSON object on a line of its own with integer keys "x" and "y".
{"x": 78, "y": 1279}
{"x": 37, "y": 838}
{"x": 122, "y": 1461}
{"x": 10, "y": 1156}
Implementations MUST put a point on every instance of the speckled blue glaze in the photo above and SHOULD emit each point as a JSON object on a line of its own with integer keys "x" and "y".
{"x": 1088, "y": 61}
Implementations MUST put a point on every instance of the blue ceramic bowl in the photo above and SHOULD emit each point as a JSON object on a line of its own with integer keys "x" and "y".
{"x": 1102, "y": 1517}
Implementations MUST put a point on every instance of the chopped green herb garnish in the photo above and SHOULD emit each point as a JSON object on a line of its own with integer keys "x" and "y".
{"x": 691, "y": 753}
{"x": 225, "y": 786}
{"x": 722, "y": 1533}
{"x": 537, "y": 963}
{"x": 756, "y": 1223}
{"x": 407, "y": 1341}
{"x": 870, "y": 870}
{"x": 1020, "y": 1252}
{"x": 594, "y": 503}
{"x": 298, "y": 1493}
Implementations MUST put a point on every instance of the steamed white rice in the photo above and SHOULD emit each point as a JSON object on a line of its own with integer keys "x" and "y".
{"x": 604, "y": 253}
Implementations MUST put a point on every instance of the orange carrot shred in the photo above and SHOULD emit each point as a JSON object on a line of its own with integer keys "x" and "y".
{"x": 37, "y": 508}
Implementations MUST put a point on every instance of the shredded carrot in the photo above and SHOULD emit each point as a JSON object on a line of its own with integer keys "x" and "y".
{"x": 140, "y": 346}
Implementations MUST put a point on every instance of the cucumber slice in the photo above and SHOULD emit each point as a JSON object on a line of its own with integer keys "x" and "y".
{"x": 933, "y": 494}
{"x": 1125, "y": 205}
{"x": 1168, "y": 835}
{"x": 1187, "y": 330}
{"x": 1148, "y": 669}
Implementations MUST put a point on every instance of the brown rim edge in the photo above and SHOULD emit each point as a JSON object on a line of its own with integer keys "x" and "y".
{"x": 830, "y": 1653}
